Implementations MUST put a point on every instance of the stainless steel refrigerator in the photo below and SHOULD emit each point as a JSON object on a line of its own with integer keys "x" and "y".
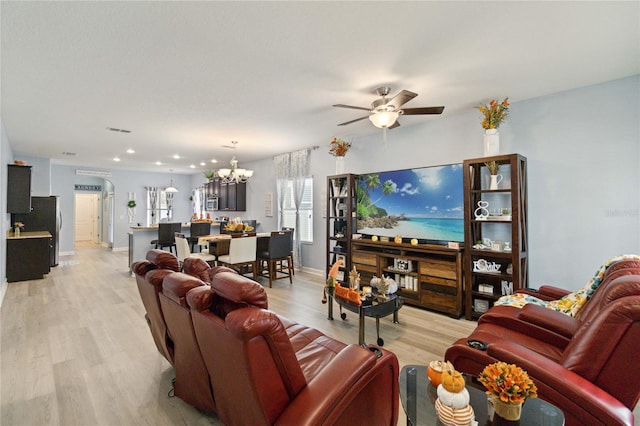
{"x": 45, "y": 216}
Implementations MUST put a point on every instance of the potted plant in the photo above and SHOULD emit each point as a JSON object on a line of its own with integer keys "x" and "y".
{"x": 493, "y": 115}
{"x": 339, "y": 148}
{"x": 493, "y": 166}
{"x": 209, "y": 174}
{"x": 508, "y": 385}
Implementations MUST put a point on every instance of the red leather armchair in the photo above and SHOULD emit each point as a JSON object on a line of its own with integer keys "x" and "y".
{"x": 149, "y": 275}
{"x": 201, "y": 269}
{"x": 266, "y": 369}
{"x": 555, "y": 327}
{"x": 594, "y": 380}
{"x": 192, "y": 383}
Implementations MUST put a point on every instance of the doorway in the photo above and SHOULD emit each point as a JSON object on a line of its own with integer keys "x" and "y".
{"x": 87, "y": 223}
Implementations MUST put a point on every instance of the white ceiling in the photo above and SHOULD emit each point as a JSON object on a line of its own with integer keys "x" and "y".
{"x": 189, "y": 77}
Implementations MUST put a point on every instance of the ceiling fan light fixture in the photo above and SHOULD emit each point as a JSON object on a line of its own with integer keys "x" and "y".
{"x": 384, "y": 119}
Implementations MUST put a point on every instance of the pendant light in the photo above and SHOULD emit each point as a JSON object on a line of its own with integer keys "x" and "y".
{"x": 171, "y": 189}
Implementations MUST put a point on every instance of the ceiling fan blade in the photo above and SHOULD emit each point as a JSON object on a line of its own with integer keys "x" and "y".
{"x": 352, "y": 107}
{"x": 353, "y": 121}
{"x": 425, "y": 110}
{"x": 394, "y": 125}
{"x": 402, "y": 98}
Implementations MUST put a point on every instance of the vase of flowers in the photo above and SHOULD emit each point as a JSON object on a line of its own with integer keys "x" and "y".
{"x": 17, "y": 227}
{"x": 509, "y": 386}
{"x": 339, "y": 148}
{"x": 493, "y": 115}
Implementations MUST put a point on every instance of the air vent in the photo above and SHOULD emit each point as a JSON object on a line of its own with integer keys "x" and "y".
{"x": 113, "y": 129}
{"x": 70, "y": 154}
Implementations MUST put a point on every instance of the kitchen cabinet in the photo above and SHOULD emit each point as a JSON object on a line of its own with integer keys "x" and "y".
{"x": 28, "y": 256}
{"x": 231, "y": 196}
{"x": 18, "y": 189}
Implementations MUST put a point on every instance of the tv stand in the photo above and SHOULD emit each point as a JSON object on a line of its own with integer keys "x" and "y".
{"x": 428, "y": 275}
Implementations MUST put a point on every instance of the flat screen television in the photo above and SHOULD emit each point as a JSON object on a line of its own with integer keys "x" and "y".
{"x": 423, "y": 203}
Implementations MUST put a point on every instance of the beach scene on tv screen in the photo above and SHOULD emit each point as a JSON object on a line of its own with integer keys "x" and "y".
{"x": 424, "y": 203}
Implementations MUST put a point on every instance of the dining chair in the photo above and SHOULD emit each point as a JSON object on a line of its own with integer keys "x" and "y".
{"x": 198, "y": 229}
{"x": 277, "y": 250}
{"x": 242, "y": 253}
{"x": 183, "y": 251}
{"x": 289, "y": 259}
{"x": 166, "y": 235}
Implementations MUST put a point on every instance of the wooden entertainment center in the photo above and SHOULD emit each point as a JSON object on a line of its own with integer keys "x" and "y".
{"x": 428, "y": 276}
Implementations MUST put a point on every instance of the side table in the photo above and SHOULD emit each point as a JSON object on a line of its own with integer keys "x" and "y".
{"x": 418, "y": 397}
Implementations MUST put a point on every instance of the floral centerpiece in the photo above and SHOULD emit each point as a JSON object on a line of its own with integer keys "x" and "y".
{"x": 509, "y": 385}
{"x": 494, "y": 113}
{"x": 339, "y": 147}
{"x": 238, "y": 226}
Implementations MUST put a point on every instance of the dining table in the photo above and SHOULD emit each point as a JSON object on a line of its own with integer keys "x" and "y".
{"x": 219, "y": 243}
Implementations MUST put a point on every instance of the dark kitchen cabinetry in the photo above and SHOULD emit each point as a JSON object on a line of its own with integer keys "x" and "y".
{"x": 231, "y": 196}
{"x": 19, "y": 189}
{"x": 28, "y": 256}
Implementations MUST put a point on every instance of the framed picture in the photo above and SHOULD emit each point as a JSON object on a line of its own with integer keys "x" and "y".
{"x": 341, "y": 256}
{"x": 403, "y": 265}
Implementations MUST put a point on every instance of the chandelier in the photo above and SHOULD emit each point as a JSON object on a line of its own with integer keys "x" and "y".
{"x": 171, "y": 189}
{"x": 234, "y": 174}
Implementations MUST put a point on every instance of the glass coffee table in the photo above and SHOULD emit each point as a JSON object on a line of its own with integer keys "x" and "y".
{"x": 418, "y": 397}
{"x": 373, "y": 307}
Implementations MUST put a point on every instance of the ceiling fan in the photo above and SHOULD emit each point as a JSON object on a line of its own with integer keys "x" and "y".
{"x": 384, "y": 112}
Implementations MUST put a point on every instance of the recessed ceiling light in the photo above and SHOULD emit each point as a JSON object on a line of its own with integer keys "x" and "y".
{"x": 116, "y": 159}
{"x": 115, "y": 129}
{"x": 176, "y": 156}
{"x": 214, "y": 160}
{"x": 131, "y": 151}
{"x": 192, "y": 166}
{"x": 158, "y": 163}
{"x": 202, "y": 163}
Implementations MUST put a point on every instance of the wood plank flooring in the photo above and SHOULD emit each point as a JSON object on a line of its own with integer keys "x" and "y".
{"x": 76, "y": 350}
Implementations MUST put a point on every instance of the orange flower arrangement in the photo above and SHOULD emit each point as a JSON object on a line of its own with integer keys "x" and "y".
{"x": 494, "y": 113}
{"x": 238, "y": 227}
{"x": 508, "y": 382}
{"x": 338, "y": 147}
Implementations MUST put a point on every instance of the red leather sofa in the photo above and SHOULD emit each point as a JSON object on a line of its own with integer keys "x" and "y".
{"x": 585, "y": 366}
{"x": 233, "y": 356}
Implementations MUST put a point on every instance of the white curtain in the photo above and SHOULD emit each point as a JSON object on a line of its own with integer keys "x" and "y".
{"x": 283, "y": 167}
{"x": 292, "y": 166}
{"x": 153, "y": 193}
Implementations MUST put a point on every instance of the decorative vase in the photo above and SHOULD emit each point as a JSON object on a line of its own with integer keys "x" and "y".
{"x": 495, "y": 180}
{"x": 507, "y": 410}
{"x": 491, "y": 142}
{"x": 16, "y": 231}
{"x": 339, "y": 165}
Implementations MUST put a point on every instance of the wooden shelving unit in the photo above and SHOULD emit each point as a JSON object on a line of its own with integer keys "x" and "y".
{"x": 341, "y": 221}
{"x": 493, "y": 271}
{"x": 428, "y": 276}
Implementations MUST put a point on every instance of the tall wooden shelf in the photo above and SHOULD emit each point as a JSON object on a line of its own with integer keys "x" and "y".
{"x": 506, "y": 223}
{"x": 341, "y": 221}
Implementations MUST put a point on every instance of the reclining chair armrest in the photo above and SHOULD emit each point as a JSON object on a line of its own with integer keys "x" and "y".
{"x": 322, "y": 402}
{"x": 593, "y": 400}
{"x": 545, "y": 292}
{"x": 553, "y": 321}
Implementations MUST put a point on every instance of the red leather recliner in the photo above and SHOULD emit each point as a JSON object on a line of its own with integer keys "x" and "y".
{"x": 594, "y": 380}
{"x": 201, "y": 269}
{"x": 555, "y": 327}
{"x": 192, "y": 383}
{"x": 267, "y": 370}
{"x": 149, "y": 275}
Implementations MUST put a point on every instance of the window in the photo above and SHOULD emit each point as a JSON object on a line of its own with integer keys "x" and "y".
{"x": 306, "y": 210}
{"x": 159, "y": 206}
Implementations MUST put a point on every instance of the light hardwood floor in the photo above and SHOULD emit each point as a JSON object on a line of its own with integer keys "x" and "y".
{"x": 76, "y": 350}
